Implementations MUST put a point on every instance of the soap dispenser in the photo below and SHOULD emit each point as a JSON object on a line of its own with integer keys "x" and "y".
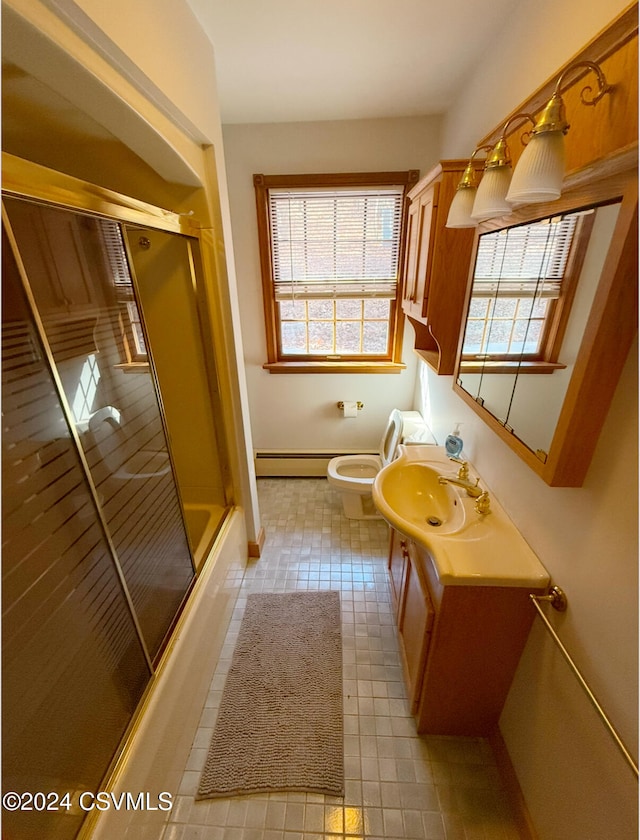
{"x": 453, "y": 443}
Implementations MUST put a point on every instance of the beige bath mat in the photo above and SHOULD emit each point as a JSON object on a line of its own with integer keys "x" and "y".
{"x": 279, "y": 727}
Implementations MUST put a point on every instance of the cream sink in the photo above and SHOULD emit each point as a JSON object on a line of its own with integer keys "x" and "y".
{"x": 467, "y": 548}
{"x": 408, "y": 494}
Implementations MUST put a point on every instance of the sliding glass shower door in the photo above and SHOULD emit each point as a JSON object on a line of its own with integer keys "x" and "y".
{"x": 83, "y": 294}
{"x": 73, "y": 666}
{"x": 115, "y": 477}
{"x": 166, "y": 270}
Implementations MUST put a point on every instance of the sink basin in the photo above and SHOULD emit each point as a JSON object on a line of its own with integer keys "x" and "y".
{"x": 409, "y": 495}
{"x": 467, "y": 548}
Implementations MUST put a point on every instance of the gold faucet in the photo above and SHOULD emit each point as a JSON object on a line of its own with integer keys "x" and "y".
{"x": 472, "y": 489}
{"x": 483, "y": 501}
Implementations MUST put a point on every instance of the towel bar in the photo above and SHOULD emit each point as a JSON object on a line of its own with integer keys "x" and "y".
{"x": 558, "y": 600}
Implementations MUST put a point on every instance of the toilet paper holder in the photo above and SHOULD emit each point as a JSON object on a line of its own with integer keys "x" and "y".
{"x": 359, "y": 405}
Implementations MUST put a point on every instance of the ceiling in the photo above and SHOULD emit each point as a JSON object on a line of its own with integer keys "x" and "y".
{"x": 299, "y": 60}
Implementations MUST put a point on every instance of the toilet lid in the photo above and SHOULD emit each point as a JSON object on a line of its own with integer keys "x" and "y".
{"x": 391, "y": 437}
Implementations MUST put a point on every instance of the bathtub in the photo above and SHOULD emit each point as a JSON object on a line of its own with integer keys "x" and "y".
{"x": 203, "y": 522}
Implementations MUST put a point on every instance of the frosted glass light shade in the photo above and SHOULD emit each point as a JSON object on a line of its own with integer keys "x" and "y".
{"x": 539, "y": 172}
{"x": 491, "y": 198}
{"x": 461, "y": 207}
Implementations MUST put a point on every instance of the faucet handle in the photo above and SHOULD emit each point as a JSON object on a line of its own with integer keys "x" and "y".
{"x": 483, "y": 504}
{"x": 463, "y": 472}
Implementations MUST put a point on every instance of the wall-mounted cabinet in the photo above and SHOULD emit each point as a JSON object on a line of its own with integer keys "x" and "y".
{"x": 436, "y": 266}
{"x": 460, "y": 645}
{"x": 553, "y": 422}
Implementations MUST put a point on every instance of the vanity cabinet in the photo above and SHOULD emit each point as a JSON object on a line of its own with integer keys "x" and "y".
{"x": 436, "y": 266}
{"x": 460, "y": 644}
{"x": 414, "y": 613}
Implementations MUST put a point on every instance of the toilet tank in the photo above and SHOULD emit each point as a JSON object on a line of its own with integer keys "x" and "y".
{"x": 415, "y": 429}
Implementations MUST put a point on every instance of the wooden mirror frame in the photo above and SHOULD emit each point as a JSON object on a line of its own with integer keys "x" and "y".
{"x": 602, "y": 162}
{"x": 610, "y": 328}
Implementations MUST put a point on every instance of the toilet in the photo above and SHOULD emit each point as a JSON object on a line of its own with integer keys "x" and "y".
{"x": 353, "y": 475}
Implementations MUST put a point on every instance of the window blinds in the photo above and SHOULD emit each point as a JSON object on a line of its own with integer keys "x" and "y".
{"x": 525, "y": 261}
{"x": 335, "y": 243}
{"x": 115, "y": 254}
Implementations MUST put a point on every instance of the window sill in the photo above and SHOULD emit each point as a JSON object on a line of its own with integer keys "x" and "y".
{"x": 334, "y": 367}
{"x": 503, "y": 366}
{"x": 133, "y": 367}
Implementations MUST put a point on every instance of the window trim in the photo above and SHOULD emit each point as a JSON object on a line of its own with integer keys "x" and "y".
{"x": 303, "y": 364}
{"x": 547, "y": 360}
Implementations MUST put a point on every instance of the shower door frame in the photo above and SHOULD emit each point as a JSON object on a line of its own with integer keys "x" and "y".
{"x": 30, "y": 181}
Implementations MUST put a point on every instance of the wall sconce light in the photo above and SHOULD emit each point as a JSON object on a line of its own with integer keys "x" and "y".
{"x": 539, "y": 172}
{"x": 491, "y": 196}
{"x": 462, "y": 204}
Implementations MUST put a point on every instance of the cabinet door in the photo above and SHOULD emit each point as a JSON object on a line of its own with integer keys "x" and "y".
{"x": 411, "y": 262}
{"x": 62, "y": 280}
{"x": 427, "y": 206}
{"x": 415, "y": 626}
{"x": 397, "y": 563}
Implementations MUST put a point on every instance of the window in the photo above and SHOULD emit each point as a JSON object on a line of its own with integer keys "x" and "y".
{"x": 131, "y": 332}
{"x": 523, "y": 285}
{"x": 331, "y": 250}
{"x": 86, "y": 391}
{"x": 132, "y": 346}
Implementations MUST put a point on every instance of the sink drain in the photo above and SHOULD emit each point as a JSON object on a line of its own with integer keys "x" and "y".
{"x": 434, "y": 521}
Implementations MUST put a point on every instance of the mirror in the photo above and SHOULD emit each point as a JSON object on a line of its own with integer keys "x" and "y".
{"x": 522, "y": 277}
{"x": 540, "y": 322}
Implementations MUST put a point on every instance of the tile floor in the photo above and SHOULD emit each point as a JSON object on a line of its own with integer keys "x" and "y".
{"x": 398, "y": 785}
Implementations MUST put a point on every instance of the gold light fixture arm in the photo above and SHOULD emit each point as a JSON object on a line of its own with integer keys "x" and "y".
{"x": 500, "y": 155}
{"x": 468, "y": 178}
{"x": 603, "y": 86}
{"x": 553, "y": 117}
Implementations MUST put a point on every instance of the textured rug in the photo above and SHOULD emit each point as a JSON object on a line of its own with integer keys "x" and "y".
{"x": 279, "y": 726}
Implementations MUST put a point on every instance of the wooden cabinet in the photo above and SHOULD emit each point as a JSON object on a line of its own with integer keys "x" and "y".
{"x": 422, "y": 216}
{"x": 397, "y": 568}
{"x": 415, "y": 627}
{"x": 436, "y": 266}
{"x": 460, "y": 645}
{"x": 413, "y": 611}
{"x": 61, "y": 283}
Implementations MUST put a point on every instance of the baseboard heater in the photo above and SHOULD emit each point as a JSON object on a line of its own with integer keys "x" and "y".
{"x": 278, "y": 463}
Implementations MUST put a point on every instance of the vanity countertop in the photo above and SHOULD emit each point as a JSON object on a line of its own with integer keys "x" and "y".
{"x": 485, "y": 551}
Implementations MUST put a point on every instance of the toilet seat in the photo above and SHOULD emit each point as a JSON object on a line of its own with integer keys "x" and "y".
{"x": 353, "y": 475}
{"x": 350, "y": 472}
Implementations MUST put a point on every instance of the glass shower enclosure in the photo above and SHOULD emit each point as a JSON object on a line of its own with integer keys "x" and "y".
{"x": 115, "y": 484}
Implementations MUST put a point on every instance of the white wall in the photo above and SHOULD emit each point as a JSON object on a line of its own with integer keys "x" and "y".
{"x": 575, "y": 784}
{"x": 294, "y": 411}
